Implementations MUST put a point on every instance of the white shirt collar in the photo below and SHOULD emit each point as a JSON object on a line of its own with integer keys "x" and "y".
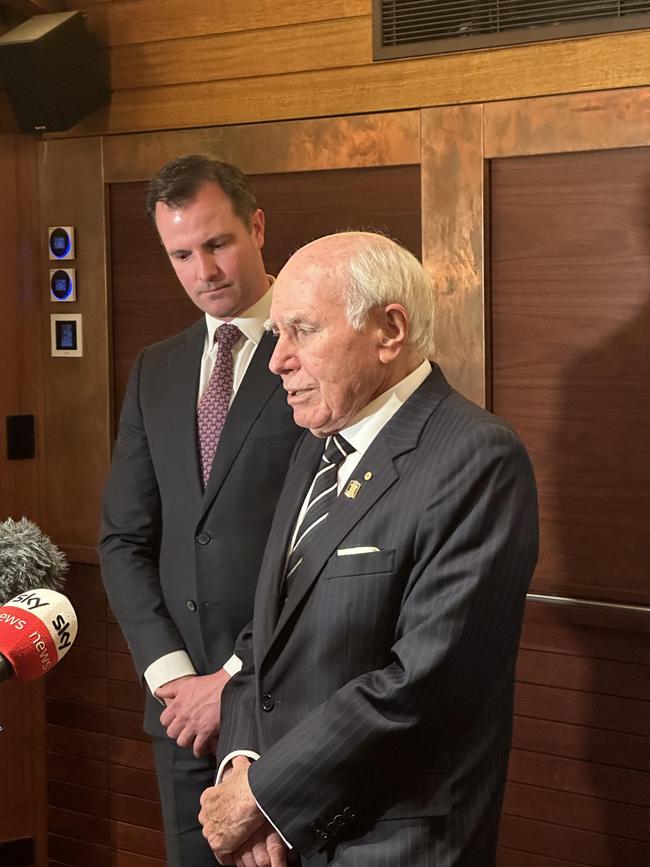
{"x": 379, "y": 411}
{"x": 250, "y": 323}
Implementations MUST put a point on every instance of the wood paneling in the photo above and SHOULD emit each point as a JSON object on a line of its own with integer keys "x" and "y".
{"x": 557, "y": 124}
{"x": 22, "y": 790}
{"x": 75, "y": 393}
{"x": 552, "y": 841}
{"x": 21, "y": 750}
{"x": 80, "y": 799}
{"x": 129, "y": 859}
{"x": 132, "y": 21}
{"x": 620, "y": 60}
{"x": 588, "y": 814}
{"x": 579, "y": 775}
{"x": 299, "y": 206}
{"x": 76, "y": 853}
{"x": 570, "y": 360}
{"x": 131, "y": 781}
{"x": 453, "y": 245}
{"x": 141, "y": 841}
{"x": 343, "y": 43}
{"x": 21, "y": 326}
{"x": 300, "y": 146}
{"x": 136, "y": 811}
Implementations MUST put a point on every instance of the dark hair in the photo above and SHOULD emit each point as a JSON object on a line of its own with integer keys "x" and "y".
{"x": 178, "y": 182}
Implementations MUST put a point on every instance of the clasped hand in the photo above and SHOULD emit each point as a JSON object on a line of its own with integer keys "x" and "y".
{"x": 234, "y": 826}
{"x": 193, "y": 710}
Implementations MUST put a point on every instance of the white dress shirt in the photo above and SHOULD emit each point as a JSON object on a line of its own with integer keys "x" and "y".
{"x": 251, "y": 324}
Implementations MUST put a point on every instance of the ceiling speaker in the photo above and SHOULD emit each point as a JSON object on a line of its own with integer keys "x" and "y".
{"x": 52, "y": 71}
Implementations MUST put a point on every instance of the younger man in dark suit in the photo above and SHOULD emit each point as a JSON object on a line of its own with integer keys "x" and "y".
{"x": 203, "y": 446}
{"x": 376, "y": 696}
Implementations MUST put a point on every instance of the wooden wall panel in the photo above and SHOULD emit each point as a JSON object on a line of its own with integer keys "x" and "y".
{"x": 74, "y": 389}
{"x": 302, "y": 146}
{"x": 453, "y": 245}
{"x": 570, "y": 360}
{"x": 21, "y": 326}
{"x": 123, "y": 22}
{"x": 102, "y": 791}
{"x": 578, "y": 782}
{"x": 299, "y": 206}
{"x": 22, "y": 794}
{"x": 588, "y": 64}
{"x": 340, "y": 43}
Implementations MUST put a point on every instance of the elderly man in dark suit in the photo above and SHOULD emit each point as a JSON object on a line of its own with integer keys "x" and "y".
{"x": 371, "y": 724}
{"x": 204, "y": 442}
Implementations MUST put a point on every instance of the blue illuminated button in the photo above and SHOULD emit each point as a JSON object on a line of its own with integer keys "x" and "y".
{"x": 60, "y": 243}
{"x": 61, "y": 285}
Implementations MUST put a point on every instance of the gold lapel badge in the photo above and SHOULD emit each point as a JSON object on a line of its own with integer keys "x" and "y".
{"x": 352, "y": 489}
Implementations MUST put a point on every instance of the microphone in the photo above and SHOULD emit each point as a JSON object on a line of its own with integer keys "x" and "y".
{"x": 28, "y": 559}
{"x": 37, "y": 629}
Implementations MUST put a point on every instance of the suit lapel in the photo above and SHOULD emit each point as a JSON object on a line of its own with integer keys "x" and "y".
{"x": 252, "y": 395}
{"x": 297, "y": 482}
{"x": 184, "y": 366}
{"x": 400, "y": 435}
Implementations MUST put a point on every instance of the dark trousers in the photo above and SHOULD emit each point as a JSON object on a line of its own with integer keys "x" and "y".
{"x": 182, "y": 779}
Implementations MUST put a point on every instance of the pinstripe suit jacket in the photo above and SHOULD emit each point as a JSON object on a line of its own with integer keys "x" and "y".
{"x": 380, "y": 696}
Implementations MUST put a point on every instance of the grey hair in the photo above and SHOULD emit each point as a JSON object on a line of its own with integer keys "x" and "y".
{"x": 382, "y": 272}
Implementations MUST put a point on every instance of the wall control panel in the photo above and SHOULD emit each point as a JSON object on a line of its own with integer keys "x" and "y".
{"x": 66, "y": 334}
{"x": 61, "y": 242}
{"x": 63, "y": 284}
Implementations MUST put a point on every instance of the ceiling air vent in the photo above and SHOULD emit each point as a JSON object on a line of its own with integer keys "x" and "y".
{"x": 408, "y": 28}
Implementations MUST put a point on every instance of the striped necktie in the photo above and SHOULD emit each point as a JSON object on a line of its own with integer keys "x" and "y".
{"x": 321, "y": 500}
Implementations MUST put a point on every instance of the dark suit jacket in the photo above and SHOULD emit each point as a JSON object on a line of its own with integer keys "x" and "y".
{"x": 180, "y": 566}
{"x": 383, "y": 689}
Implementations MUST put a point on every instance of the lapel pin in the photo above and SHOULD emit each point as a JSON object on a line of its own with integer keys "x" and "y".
{"x": 352, "y": 489}
{"x": 368, "y": 476}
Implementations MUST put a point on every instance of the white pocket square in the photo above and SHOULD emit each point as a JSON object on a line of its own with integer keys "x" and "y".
{"x": 344, "y": 552}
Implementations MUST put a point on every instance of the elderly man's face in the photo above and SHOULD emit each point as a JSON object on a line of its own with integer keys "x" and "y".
{"x": 330, "y": 371}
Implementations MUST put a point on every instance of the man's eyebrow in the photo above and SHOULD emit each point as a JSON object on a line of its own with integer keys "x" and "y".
{"x": 289, "y": 322}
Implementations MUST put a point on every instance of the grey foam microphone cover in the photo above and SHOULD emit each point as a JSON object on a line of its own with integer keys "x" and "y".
{"x": 28, "y": 559}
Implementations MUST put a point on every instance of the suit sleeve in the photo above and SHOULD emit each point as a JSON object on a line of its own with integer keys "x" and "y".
{"x": 474, "y": 547}
{"x": 238, "y": 729}
{"x": 130, "y": 538}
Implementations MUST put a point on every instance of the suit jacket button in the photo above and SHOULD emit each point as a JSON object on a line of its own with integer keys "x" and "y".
{"x": 191, "y": 604}
{"x": 339, "y": 821}
{"x": 203, "y": 538}
{"x": 349, "y": 813}
{"x": 267, "y": 703}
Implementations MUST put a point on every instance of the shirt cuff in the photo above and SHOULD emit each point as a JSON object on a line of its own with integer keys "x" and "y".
{"x": 233, "y": 666}
{"x": 250, "y": 754}
{"x": 166, "y": 668}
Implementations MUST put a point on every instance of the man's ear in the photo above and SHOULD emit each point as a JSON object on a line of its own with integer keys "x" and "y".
{"x": 394, "y": 332}
{"x": 258, "y": 223}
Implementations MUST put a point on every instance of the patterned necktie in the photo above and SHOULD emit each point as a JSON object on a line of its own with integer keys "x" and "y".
{"x": 321, "y": 499}
{"x": 215, "y": 400}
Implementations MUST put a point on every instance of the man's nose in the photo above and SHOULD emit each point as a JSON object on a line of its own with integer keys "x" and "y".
{"x": 280, "y": 360}
{"x": 207, "y": 267}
